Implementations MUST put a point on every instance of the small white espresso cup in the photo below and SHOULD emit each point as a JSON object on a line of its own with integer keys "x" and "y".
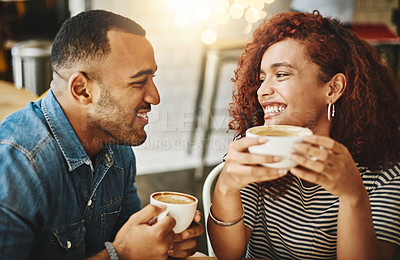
{"x": 180, "y": 206}
{"x": 280, "y": 140}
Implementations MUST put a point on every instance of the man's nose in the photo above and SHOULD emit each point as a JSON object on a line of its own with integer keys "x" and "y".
{"x": 152, "y": 96}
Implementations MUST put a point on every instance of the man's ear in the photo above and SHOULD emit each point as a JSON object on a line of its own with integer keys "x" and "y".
{"x": 337, "y": 85}
{"x": 79, "y": 87}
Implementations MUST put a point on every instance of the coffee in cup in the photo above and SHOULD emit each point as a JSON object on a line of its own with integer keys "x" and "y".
{"x": 280, "y": 140}
{"x": 180, "y": 206}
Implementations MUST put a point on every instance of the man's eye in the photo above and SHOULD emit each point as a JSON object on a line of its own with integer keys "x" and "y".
{"x": 138, "y": 83}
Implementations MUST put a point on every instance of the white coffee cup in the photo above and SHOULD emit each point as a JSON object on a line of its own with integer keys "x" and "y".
{"x": 280, "y": 140}
{"x": 180, "y": 206}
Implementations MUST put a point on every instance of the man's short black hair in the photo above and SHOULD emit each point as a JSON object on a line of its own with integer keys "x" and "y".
{"x": 84, "y": 36}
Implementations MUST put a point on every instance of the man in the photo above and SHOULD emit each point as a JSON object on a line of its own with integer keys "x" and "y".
{"x": 67, "y": 170}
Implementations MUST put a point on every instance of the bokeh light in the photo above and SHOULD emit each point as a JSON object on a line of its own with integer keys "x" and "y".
{"x": 189, "y": 13}
{"x": 252, "y": 15}
{"x": 202, "y": 13}
{"x": 236, "y": 11}
{"x": 222, "y": 18}
{"x": 248, "y": 28}
{"x": 243, "y": 3}
{"x": 263, "y": 15}
{"x": 208, "y": 37}
{"x": 257, "y": 4}
{"x": 221, "y": 5}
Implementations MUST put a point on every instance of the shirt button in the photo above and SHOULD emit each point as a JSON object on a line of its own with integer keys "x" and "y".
{"x": 87, "y": 162}
{"x": 89, "y": 203}
{"x": 69, "y": 244}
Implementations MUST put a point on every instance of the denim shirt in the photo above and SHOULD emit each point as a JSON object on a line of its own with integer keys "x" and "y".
{"x": 55, "y": 202}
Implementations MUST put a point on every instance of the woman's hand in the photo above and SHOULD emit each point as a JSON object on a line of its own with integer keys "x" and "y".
{"x": 328, "y": 163}
{"x": 242, "y": 167}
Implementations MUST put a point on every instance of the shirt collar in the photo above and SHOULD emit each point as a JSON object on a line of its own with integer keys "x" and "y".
{"x": 63, "y": 133}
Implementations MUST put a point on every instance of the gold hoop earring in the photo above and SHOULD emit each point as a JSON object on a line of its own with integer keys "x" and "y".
{"x": 331, "y": 111}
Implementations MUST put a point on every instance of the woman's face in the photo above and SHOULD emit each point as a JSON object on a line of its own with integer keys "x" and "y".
{"x": 290, "y": 92}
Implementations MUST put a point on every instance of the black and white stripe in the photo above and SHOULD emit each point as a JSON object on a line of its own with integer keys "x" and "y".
{"x": 302, "y": 224}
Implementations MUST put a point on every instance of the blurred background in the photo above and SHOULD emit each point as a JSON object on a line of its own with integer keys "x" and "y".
{"x": 196, "y": 43}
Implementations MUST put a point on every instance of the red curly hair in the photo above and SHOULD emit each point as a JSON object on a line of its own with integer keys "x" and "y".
{"x": 367, "y": 117}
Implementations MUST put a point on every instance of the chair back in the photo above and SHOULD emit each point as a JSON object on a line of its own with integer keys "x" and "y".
{"x": 206, "y": 196}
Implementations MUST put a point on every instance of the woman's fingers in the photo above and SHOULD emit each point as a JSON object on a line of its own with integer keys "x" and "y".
{"x": 244, "y": 143}
{"x": 323, "y": 141}
{"x": 315, "y": 152}
{"x": 250, "y": 159}
{"x": 254, "y": 173}
{"x": 309, "y": 163}
{"x": 238, "y": 152}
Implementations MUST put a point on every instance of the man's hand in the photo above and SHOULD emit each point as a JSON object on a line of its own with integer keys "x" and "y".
{"x": 186, "y": 243}
{"x": 138, "y": 239}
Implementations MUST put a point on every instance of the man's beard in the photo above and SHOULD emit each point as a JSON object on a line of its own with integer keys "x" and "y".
{"x": 109, "y": 118}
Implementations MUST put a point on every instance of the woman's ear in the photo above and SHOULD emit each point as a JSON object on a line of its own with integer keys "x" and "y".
{"x": 79, "y": 87}
{"x": 337, "y": 85}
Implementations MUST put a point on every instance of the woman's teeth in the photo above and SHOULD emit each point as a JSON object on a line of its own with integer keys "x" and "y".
{"x": 274, "y": 109}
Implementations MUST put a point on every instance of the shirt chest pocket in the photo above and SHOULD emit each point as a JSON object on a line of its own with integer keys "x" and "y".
{"x": 69, "y": 241}
{"x": 110, "y": 197}
{"x": 108, "y": 220}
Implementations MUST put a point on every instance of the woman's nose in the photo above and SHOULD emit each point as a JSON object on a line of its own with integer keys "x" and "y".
{"x": 265, "y": 89}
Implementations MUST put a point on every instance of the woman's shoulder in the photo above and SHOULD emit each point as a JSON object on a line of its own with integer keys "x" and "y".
{"x": 380, "y": 178}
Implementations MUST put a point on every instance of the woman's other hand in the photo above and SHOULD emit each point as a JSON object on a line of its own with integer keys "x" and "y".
{"x": 328, "y": 163}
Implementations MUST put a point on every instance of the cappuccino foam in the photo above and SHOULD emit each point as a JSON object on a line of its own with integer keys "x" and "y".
{"x": 173, "y": 198}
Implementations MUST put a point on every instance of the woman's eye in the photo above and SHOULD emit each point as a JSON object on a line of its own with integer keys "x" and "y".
{"x": 281, "y": 74}
{"x": 260, "y": 81}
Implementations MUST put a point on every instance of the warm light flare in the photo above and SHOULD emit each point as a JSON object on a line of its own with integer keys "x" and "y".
{"x": 248, "y": 28}
{"x": 236, "y": 11}
{"x": 192, "y": 12}
{"x": 243, "y": 3}
{"x": 257, "y": 4}
{"x": 182, "y": 20}
{"x": 208, "y": 37}
{"x": 252, "y": 15}
{"x": 221, "y": 5}
{"x": 263, "y": 15}
{"x": 202, "y": 13}
{"x": 222, "y": 18}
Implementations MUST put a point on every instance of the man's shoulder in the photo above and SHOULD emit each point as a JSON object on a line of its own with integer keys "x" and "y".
{"x": 24, "y": 127}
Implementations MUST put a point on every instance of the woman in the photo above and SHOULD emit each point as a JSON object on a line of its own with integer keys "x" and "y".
{"x": 306, "y": 70}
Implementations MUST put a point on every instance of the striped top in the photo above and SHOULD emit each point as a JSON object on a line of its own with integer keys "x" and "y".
{"x": 302, "y": 224}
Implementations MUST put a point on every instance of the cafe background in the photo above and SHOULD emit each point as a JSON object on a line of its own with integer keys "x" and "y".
{"x": 187, "y": 132}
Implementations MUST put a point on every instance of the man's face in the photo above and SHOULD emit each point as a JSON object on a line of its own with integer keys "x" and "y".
{"x": 290, "y": 92}
{"x": 126, "y": 90}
